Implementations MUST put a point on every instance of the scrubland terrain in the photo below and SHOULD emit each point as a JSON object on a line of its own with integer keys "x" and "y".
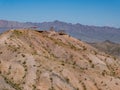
{"x": 108, "y": 47}
{"x": 48, "y": 60}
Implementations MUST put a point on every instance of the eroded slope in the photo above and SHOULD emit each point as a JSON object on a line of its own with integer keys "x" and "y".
{"x": 46, "y": 60}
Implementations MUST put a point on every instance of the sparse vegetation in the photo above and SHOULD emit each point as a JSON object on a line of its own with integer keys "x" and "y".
{"x": 1, "y": 52}
{"x": 62, "y": 32}
{"x": 92, "y": 65}
{"x": 54, "y": 61}
{"x": 67, "y": 79}
{"x": 15, "y": 86}
{"x": 23, "y": 55}
{"x": 17, "y": 32}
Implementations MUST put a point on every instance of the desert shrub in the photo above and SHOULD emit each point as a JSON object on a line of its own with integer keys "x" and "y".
{"x": 23, "y": 55}
{"x": 1, "y": 52}
{"x": 93, "y": 66}
{"x": 24, "y": 62}
{"x": 17, "y": 33}
{"x": 67, "y": 79}
{"x": 62, "y": 32}
{"x": 84, "y": 48}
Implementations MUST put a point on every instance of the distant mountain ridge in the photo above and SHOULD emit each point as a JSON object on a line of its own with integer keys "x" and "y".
{"x": 83, "y": 32}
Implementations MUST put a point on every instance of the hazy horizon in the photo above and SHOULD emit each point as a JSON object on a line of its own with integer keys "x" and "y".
{"x": 86, "y": 12}
{"x": 61, "y": 22}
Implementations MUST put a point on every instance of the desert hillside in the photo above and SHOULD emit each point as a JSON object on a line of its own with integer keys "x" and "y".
{"x": 108, "y": 47}
{"x": 47, "y": 60}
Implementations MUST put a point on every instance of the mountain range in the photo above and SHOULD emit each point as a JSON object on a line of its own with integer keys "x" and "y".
{"x": 82, "y": 32}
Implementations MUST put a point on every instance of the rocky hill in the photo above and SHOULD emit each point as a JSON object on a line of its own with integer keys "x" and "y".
{"x": 108, "y": 47}
{"x": 47, "y": 60}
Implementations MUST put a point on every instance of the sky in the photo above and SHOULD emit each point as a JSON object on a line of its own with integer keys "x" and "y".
{"x": 87, "y": 12}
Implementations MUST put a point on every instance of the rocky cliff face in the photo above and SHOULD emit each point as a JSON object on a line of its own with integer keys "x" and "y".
{"x": 47, "y": 60}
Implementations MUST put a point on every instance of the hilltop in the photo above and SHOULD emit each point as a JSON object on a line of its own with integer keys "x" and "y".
{"x": 49, "y": 60}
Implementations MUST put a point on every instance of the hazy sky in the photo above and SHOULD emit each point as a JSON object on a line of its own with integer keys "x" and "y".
{"x": 89, "y": 12}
